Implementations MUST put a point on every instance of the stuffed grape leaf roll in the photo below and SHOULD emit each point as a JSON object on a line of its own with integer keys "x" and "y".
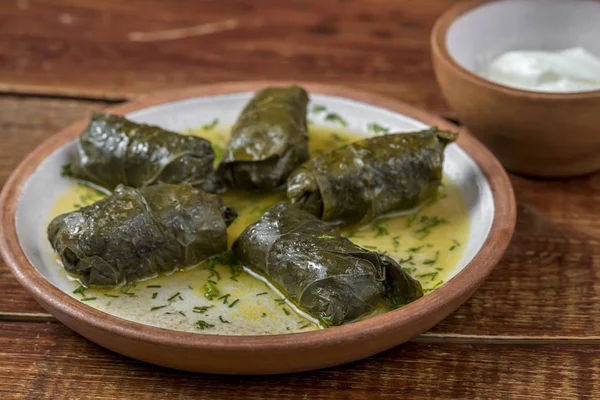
{"x": 113, "y": 150}
{"x": 320, "y": 271}
{"x": 359, "y": 181}
{"x": 268, "y": 141}
{"x": 140, "y": 233}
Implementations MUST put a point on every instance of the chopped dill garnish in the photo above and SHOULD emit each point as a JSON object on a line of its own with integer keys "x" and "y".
{"x": 414, "y": 249}
{"x": 409, "y": 271}
{"x": 211, "y": 267}
{"x": 158, "y": 307}
{"x": 304, "y": 326}
{"x": 181, "y": 313}
{"x": 405, "y": 260}
{"x": 433, "y": 260}
{"x": 455, "y": 245}
{"x": 125, "y": 290}
{"x": 212, "y": 282}
{"x": 153, "y": 286}
{"x": 224, "y": 298}
{"x": 439, "y": 269}
{"x": 261, "y": 293}
{"x": 380, "y": 227}
{"x": 223, "y": 321}
{"x": 431, "y": 275}
{"x": 396, "y": 241}
{"x": 333, "y": 117}
{"x": 129, "y": 294}
{"x": 233, "y": 303}
{"x": 210, "y": 290}
{"x": 202, "y": 325}
{"x": 263, "y": 315}
{"x": 88, "y": 299}
{"x": 236, "y": 270}
{"x": 174, "y": 296}
{"x": 437, "y": 285}
{"x": 428, "y": 224}
{"x": 280, "y": 301}
{"x": 370, "y": 247}
{"x": 337, "y": 137}
{"x": 210, "y": 125}
{"x": 376, "y": 128}
{"x": 154, "y": 295}
{"x": 411, "y": 219}
{"x": 80, "y": 290}
{"x": 191, "y": 288}
{"x": 395, "y": 302}
{"x": 111, "y": 295}
{"x": 327, "y": 321}
{"x": 325, "y": 237}
{"x": 317, "y": 108}
{"x": 286, "y": 311}
{"x": 201, "y": 310}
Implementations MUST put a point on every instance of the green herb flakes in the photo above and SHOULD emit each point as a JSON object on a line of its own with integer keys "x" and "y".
{"x": 333, "y": 117}
{"x": 234, "y": 303}
{"x": 211, "y": 125}
{"x": 202, "y": 325}
{"x": 201, "y": 310}
{"x": 174, "y": 296}
{"x": 210, "y": 290}
{"x": 376, "y": 128}
{"x": 317, "y": 109}
{"x": 224, "y": 298}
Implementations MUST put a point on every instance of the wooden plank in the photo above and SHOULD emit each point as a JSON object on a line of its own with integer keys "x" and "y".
{"x": 25, "y": 123}
{"x": 118, "y": 49}
{"x": 545, "y": 286}
{"x": 45, "y": 361}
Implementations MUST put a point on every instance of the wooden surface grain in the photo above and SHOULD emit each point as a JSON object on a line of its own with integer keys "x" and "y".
{"x": 118, "y": 49}
{"x": 531, "y": 331}
{"x": 52, "y": 360}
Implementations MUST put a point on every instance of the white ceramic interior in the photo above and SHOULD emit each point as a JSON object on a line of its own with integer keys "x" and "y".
{"x": 482, "y": 34}
{"x": 46, "y": 184}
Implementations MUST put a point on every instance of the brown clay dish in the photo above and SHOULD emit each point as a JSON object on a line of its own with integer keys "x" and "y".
{"x": 534, "y": 133}
{"x": 272, "y": 353}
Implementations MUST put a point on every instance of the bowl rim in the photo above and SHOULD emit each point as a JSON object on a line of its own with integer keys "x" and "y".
{"x": 439, "y": 47}
{"x": 459, "y": 287}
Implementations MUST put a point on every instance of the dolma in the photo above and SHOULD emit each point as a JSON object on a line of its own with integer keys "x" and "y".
{"x": 113, "y": 150}
{"x": 140, "y": 233}
{"x": 320, "y": 271}
{"x": 268, "y": 141}
{"x": 362, "y": 180}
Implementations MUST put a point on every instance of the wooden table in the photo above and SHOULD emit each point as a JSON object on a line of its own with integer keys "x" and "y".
{"x": 532, "y": 330}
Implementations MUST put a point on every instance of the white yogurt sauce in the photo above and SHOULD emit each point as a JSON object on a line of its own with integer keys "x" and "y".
{"x": 571, "y": 70}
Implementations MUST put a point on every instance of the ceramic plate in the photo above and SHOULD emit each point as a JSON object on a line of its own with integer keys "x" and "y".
{"x": 34, "y": 188}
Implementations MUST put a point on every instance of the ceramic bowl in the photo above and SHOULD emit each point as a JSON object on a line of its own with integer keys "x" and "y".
{"x": 36, "y": 184}
{"x": 534, "y": 133}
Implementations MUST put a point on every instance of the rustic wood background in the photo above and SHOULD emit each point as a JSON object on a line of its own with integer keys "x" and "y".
{"x": 531, "y": 331}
